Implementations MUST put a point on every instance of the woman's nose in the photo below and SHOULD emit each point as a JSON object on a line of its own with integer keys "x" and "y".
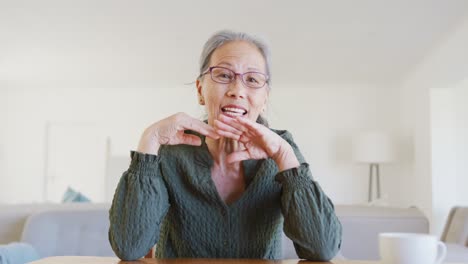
{"x": 237, "y": 88}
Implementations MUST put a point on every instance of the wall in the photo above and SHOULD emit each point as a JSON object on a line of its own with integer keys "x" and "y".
{"x": 3, "y": 116}
{"x": 322, "y": 120}
{"x": 123, "y": 114}
{"x": 449, "y": 115}
{"x": 445, "y": 67}
{"x": 444, "y": 140}
{"x": 461, "y": 113}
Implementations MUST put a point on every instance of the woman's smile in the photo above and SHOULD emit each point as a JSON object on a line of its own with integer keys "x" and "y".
{"x": 233, "y": 110}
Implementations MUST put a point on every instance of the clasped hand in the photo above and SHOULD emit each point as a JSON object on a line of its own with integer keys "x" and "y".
{"x": 259, "y": 142}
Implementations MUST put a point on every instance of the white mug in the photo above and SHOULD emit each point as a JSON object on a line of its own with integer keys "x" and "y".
{"x": 411, "y": 248}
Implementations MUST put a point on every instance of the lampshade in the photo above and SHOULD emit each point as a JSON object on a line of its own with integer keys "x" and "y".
{"x": 373, "y": 147}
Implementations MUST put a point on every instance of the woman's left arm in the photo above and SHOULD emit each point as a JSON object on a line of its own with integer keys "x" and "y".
{"x": 309, "y": 215}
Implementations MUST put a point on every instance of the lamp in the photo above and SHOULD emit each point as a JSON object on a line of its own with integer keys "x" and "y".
{"x": 373, "y": 148}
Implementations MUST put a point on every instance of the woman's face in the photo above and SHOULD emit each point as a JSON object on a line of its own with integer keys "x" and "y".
{"x": 235, "y": 98}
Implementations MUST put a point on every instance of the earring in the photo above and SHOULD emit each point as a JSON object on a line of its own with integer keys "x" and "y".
{"x": 201, "y": 100}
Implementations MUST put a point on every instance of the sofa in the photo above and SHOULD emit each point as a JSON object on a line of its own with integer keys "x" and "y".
{"x": 81, "y": 228}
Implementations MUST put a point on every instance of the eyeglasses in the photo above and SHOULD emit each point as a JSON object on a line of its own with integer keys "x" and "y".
{"x": 255, "y": 80}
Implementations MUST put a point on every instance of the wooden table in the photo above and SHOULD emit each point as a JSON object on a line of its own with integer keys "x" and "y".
{"x": 109, "y": 260}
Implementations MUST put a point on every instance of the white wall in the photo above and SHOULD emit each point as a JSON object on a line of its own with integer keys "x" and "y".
{"x": 444, "y": 154}
{"x": 3, "y": 115}
{"x": 322, "y": 119}
{"x": 449, "y": 117}
{"x": 122, "y": 113}
{"x": 444, "y": 68}
{"x": 461, "y": 113}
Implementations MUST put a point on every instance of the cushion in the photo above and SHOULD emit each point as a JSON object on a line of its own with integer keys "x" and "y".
{"x": 17, "y": 253}
{"x": 73, "y": 196}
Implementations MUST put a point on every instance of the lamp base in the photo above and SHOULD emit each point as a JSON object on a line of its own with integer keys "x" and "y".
{"x": 371, "y": 174}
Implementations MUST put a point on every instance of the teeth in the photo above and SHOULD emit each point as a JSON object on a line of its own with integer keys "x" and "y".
{"x": 233, "y": 114}
{"x": 235, "y": 110}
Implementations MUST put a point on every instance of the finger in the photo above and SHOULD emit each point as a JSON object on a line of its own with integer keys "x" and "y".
{"x": 238, "y": 156}
{"x": 249, "y": 133}
{"x": 222, "y": 126}
{"x": 200, "y": 127}
{"x": 245, "y": 131}
{"x": 232, "y": 122}
{"x": 253, "y": 127}
{"x": 244, "y": 138}
{"x": 191, "y": 140}
{"x": 227, "y": 134}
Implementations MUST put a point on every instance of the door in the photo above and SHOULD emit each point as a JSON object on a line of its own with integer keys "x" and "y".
{"x": 75, "y": 157}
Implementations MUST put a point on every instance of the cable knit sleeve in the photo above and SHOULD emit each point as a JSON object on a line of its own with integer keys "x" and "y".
{"x": 309, "y": 215}
{"x": 138, "y": 208}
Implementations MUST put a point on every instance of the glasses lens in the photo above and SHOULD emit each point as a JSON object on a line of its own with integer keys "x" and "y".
{"x": 254, "y": 79}
{"x": 222, "y": 75}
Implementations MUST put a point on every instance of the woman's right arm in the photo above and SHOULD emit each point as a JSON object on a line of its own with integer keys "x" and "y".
{"x": 138, "y": 208}
{"x": 141, "y": 199}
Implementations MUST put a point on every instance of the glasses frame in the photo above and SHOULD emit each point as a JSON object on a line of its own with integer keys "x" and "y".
{"x": 241, "y": 75}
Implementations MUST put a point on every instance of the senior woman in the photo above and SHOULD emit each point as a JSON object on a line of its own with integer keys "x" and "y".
{"x": 226, "y": 187}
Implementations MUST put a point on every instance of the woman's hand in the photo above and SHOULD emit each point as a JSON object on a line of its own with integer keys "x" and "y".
{"x": 170, "y": 131}
{"x": 259, "y": 142}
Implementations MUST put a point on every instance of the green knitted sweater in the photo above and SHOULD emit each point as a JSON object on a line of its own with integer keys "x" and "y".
{"x": 170, "y": 199}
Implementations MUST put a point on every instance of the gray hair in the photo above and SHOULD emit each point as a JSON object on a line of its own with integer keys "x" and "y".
{"x": 225, "y": 36}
